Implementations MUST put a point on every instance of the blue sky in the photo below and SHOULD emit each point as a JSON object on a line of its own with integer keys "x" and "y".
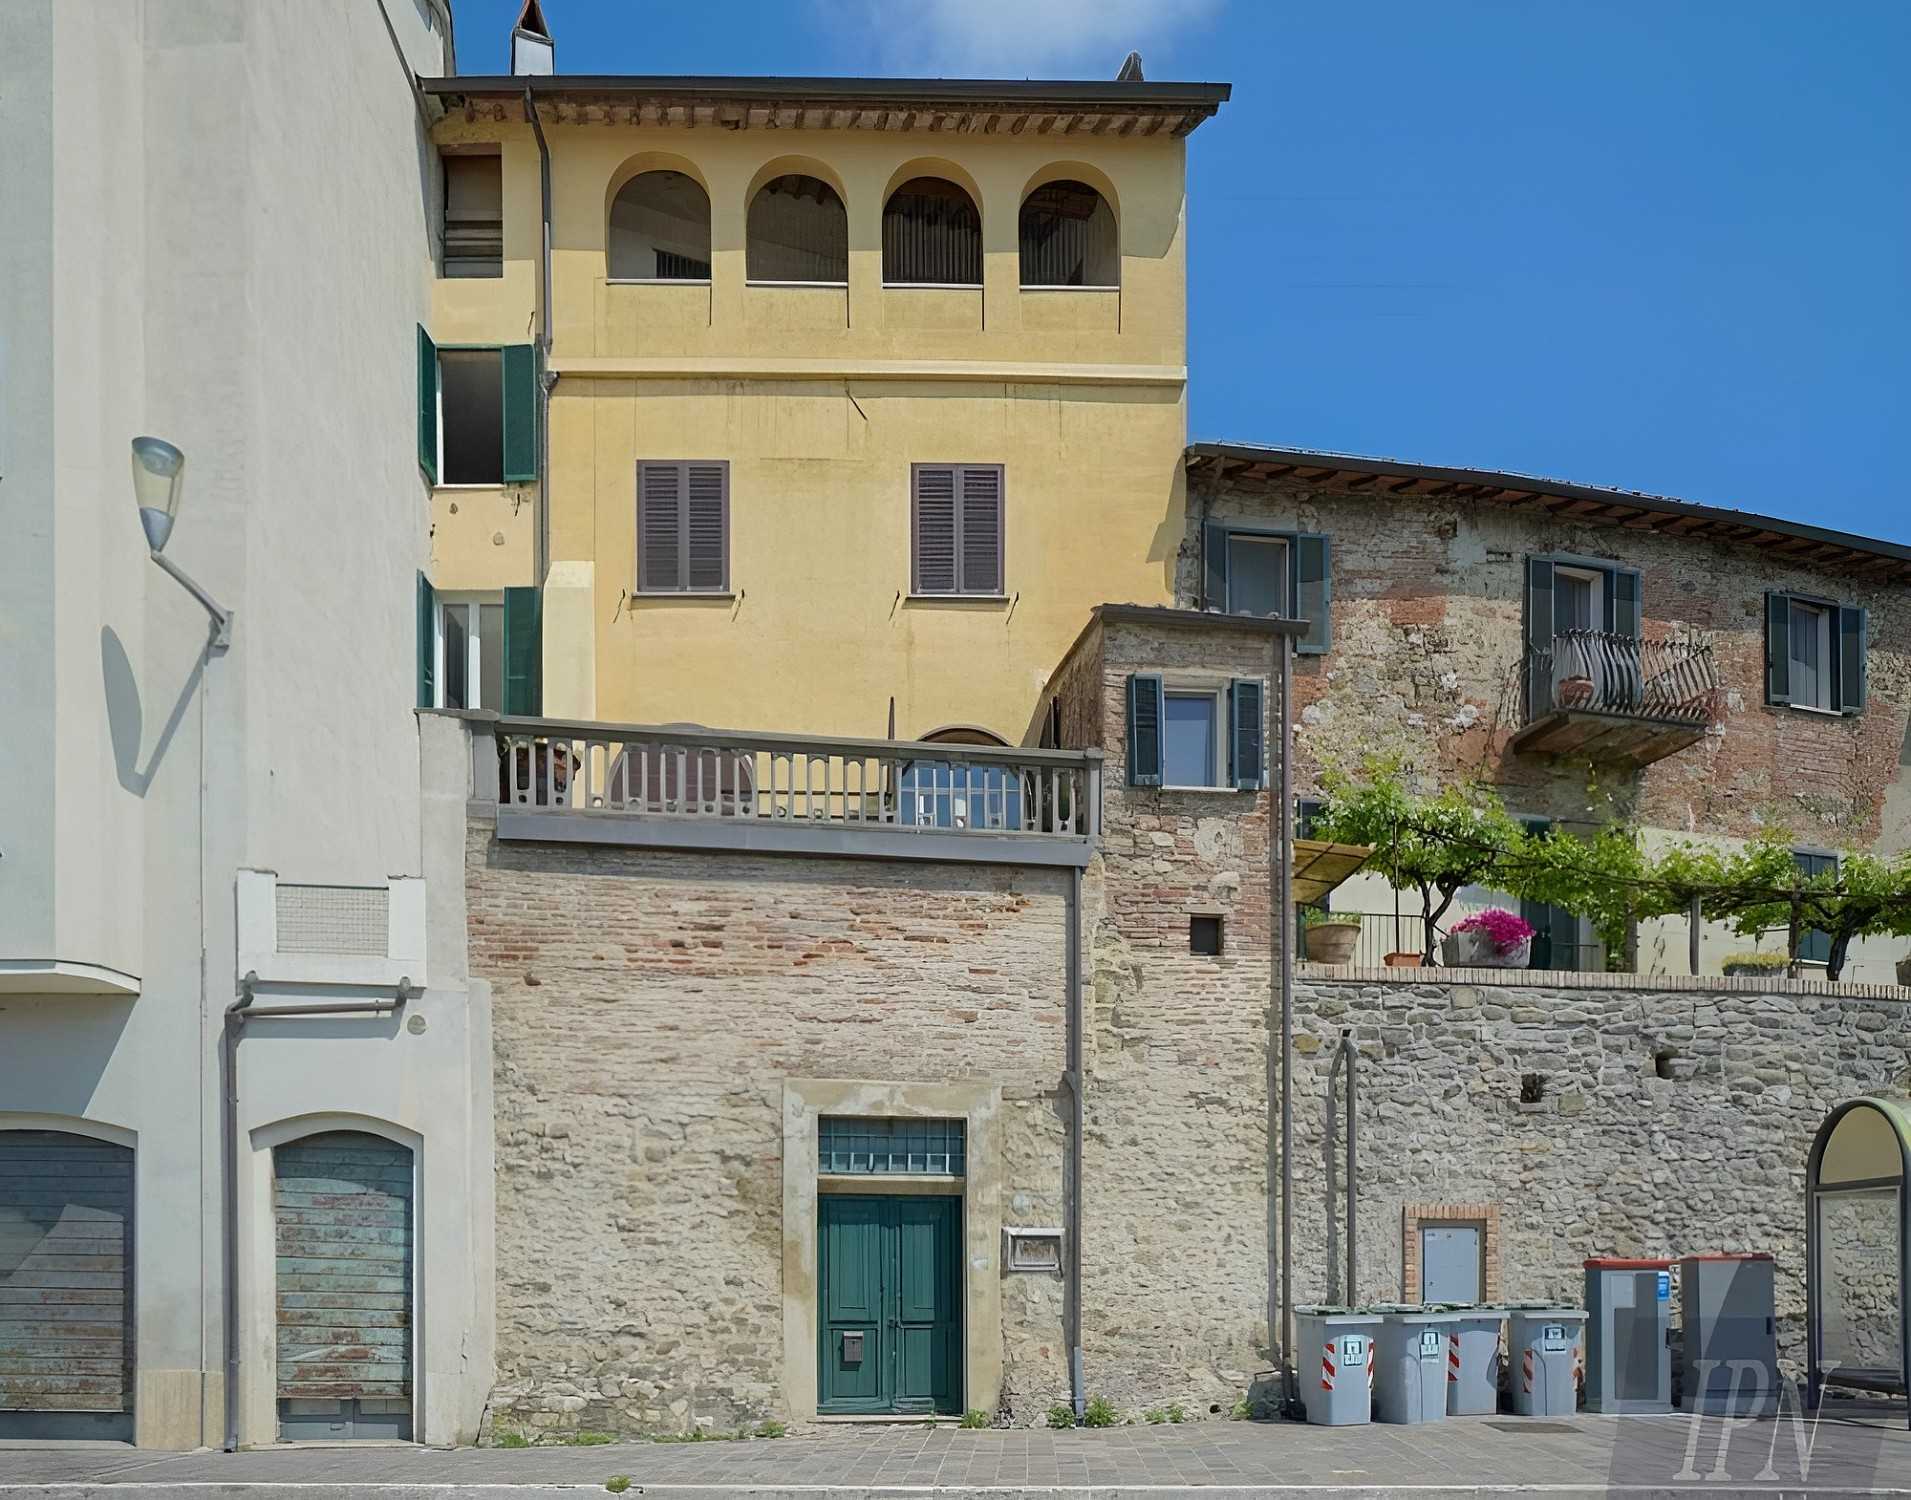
{"x": 1658, "y": 244}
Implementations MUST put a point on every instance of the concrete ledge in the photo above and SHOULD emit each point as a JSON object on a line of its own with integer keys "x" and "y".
{"x": 1568, "y": 979}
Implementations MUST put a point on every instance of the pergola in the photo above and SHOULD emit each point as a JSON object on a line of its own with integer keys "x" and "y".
{"x": 1858, "y": 1184}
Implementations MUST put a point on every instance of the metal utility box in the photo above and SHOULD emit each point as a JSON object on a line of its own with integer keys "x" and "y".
{"x": 1628, "y": 1357}
{"x": 1543, "y": 1342}
{"x": 1473, "y": 1360}
{"x": 1728, "y": 1362}
{"x": 1410, "y": 1363}
{"x": 1338, "y": 1391}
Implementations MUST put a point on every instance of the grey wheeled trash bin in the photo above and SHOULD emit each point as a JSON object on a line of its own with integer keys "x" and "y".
{"x": 1410, "y": 1363}
{"x": 1334, "y": 1364}
{"x": 1542, "y": 1345}
{"x": 1473, "y": 1360}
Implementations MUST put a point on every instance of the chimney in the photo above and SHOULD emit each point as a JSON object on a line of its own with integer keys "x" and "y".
{"x": 532, "y": 51}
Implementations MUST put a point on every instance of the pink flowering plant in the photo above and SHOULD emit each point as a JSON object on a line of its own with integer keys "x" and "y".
{"x": 1506, "y": 929}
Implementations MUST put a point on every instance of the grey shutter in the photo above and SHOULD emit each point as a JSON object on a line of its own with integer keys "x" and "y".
{"x": 980, "y": 528}
{"x": 427, "y": 643}
{"x": 659, "y": 528}
{"x": 1214, "y": 585}
{"x": 1852, "y": 633}
{"x": 706, "y": 528}
{"x": 427, "y": 405}
{"x": 1625, "y": 596}
{"x": 523, "y": 651}
{"x": 1778, "y": 647}
{"x": 1145, "y": 710}
{"x": 1246, "y": 742}
{"x": 932, "y": 526}
{"x": 1539, "y": 636}
{"x": 1313, "y": 593}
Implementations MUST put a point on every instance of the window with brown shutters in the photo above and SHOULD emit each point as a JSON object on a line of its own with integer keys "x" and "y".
{"x": 683, "y": 527}
{"x": 956, "y": 525}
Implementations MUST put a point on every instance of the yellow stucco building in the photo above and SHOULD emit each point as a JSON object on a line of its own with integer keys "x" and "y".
{"x": 857, "y": 391}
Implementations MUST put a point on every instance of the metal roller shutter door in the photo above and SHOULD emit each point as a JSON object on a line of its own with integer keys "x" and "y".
{"x": 342, "y": 1207}
{"x": 66, "y": 1306}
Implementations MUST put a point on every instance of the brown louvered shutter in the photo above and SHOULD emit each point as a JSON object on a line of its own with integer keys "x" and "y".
{"x": 933, "y": 523}
{"x": 659, "y": 527}
{"x": 981, "y": 530}
{"x": 707, "y": 526}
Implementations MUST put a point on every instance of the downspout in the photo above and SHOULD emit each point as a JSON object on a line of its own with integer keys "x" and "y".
{"x": 1077, "y": 1381}
{"x": 237, "y": 1014}
{"x": 1352, "y": 1055}
{"x": 546, "y": 377}
{"x": 1280, "y": 848}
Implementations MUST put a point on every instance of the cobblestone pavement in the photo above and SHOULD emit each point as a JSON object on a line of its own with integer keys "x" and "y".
{"x": 1848, "y": 1451}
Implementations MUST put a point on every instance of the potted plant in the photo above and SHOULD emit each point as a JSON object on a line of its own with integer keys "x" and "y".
{"x": 1756, "y": 965}
{"x": 1400, "y": 960}
{"x": 1904, "y": 972}
{"x": 1491, "y": 939}
{"x": 1573, "y": 692}
{"x": 1329, "y": 937}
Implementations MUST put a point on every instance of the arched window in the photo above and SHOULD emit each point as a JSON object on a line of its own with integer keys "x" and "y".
{"x": 932, "y": 235}
{"x": 660, "y": 229}
{"x": 799, "y": 231}
{"x": 1068, "y": 237}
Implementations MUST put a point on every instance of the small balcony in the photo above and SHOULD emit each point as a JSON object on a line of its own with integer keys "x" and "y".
{"x": 685, "y": 787}
{"x": 1616, "y": 698}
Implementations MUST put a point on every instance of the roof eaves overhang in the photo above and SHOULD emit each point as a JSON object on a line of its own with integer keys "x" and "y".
{"x": 1794, "y": 541}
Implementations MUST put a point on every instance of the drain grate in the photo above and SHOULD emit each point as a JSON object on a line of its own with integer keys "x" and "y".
{"x": 1529, "y": 1425}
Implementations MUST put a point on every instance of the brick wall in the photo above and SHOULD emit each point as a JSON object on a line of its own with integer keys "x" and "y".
{"x": 1427, "y": 610}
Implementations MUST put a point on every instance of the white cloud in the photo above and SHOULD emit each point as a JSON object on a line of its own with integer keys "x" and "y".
{"x": 1014, "y": 38}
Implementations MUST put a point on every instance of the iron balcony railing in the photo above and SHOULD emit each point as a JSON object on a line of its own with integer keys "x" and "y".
{"x": 1598, "y": 671}
{"x": 614, "y": 770}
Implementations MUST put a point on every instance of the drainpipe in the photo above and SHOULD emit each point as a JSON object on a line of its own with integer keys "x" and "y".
{"x": 1077, "y": 1381}
{"x": 1352, "y": 1054}
{"x": 546, "y": 377}
{"x": 1280, "y": 847}
{"x": 237, "y": 1014}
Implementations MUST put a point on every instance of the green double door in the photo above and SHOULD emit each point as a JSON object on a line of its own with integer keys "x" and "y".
{"x": 891, "y": 1304}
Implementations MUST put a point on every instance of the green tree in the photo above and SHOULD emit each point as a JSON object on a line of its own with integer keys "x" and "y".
{"x": 1597, "y": 877}
{"x": 1762, "y": 887}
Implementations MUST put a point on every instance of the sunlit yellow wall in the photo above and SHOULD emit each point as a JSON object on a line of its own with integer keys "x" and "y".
{"x": 821, "y": 398}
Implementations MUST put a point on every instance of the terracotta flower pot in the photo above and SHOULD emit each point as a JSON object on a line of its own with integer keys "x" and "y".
{"x": 1573, "y": 692}
{"x": 1403, "y": 960}
{"x": 1332, "y": 943}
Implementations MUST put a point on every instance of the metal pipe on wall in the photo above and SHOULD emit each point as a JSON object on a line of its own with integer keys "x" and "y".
{"x": 1280, "y": 847}
{"x": 1073, "y": 1311}
{"x": 545, "y": 378}
{"x": 1352, "y": 1054}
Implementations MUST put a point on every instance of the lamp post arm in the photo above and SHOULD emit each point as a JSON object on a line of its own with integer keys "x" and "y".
{"x": 221, "y": 618}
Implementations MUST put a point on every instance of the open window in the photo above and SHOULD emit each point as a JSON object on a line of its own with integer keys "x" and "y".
{"x": 474, "y": 214}
{"x": 1815, "y": 653}
{"x": 1068, "y": 237}
{"x": 798, "y": 233}
{"x": 932, "y": 235}
{"x": 1253, "y": 570}
{"x": 480, "y": 650}
{"x": 1189, "y": 735}
{"x": 477, "y": 413}
{"x": 660, "y": 229}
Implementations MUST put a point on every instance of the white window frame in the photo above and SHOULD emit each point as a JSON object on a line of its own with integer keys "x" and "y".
{"x": 1218, "y": 720}
{"x": 467, "y": 601}
{"x": 1827, "y": 643}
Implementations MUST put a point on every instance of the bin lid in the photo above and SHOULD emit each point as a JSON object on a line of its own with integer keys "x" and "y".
{"x": 1413, "y": 1312}
{"x": 1545, "y": 1309}
{"x": 1728, "y": 1255}
{"x": 1625, "y": 1263}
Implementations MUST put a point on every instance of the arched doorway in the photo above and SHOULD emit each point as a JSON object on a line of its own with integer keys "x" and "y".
{"x": 66, "y": 1286}
{"x": 1858, "y": 1250}
{"x": 342, "y": 1214}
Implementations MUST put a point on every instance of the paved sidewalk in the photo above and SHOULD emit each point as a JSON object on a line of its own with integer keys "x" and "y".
{"x": 1849, "y": 1452}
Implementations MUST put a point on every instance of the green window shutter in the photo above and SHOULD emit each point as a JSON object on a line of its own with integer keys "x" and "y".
{"x": 1313, "y": 593}
{"x": 1852, "y": 643}
{"x": 1246, "y": 741}
{"x": 427, "y": 644}
{"x": 1778, "y": 647}
{"x": 523, "y": 652}
{"x": 1214, "y": 586}
{"x": 427, "y": 405}
{"x": 520, "y": 412}
{"x": 1625, "y": 596}
{"x": 1539, "y": 636}
{"x": 1145, "y": 713}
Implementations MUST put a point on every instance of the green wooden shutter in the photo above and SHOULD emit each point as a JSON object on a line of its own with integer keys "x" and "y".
{"x": 1625, "y": 596}
{"x": 1852, "y": 643}
{"x": 1145, "y": 712}
{"x": 1313, "y": 593}
{"x": 1539, "y": 636}
{"x": 1778, "y": 647}
{"x": 427, "y": 405}
{"x": 1246, "y": 742}
{"x": 523, "y": 652}
{"x": 427, "y": 644}
{"x": 520, "y": 412}
{"x": 1214, "y": 572}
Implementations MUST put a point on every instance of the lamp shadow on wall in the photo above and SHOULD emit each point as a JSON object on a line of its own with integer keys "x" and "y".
{"x": 125, "y": 717}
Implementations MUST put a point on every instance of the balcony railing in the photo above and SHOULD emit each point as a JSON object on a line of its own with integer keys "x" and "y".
{"x": 760, "y": 781}
{"x": 1593, "y": 691}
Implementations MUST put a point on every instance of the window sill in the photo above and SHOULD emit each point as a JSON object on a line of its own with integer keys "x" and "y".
{"x": 656, "y": 281}
{"x": 1233, "y": 791}
{"x": 669, "y": 594}
{"x": 829, "y": 286}
{"x": 1813, "y": 708}
{"x": 1028, "y": 288}
{"x": 932, "y": 286}
{"x": 495, "y": 486}
{"x": 980, "y": 600}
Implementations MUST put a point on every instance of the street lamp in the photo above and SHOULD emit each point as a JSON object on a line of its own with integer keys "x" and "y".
{"x": 157, "y": 470}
